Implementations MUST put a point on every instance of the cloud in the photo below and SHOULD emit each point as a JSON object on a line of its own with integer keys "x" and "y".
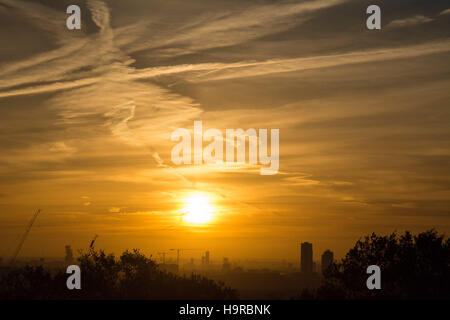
{"x": 249, "y": 69}
{"x": 100, "y": 14}
{"x": 95, "y": 79}
{"x": 445, "y": 12}
{"x": 301, "y": 181}
{"x": 232, "y": 27}
{"x": 221, "y": 71}
{"x": 60, "y": 69}
{"x": 407, "y": 22}
{"x": 405, "y": 205}
{"x": 44, "y": 18}
{"x": 61, "y": 147}
{"x": 375, "y": 132}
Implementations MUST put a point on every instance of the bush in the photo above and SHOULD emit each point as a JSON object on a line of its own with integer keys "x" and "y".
{"x": 412, "y": 267}
{"x": 132, "y": 276}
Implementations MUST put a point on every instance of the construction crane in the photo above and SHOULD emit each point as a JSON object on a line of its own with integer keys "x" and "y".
{"x": 178, "y": 254}
{"x": 24, "y": 237}
{"x": 163, "y": 254}
{"x": 91, "y": 246}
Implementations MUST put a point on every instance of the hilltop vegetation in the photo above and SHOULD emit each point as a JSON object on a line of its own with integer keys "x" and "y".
{"x": 103, "y": 276}
{"x": 412, "y": 267}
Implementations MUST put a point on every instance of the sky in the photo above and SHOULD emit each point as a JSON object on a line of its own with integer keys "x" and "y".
{"x": 86, "y": 118}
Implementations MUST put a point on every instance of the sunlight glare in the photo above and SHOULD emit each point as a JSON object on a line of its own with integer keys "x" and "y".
{"x": 198, "y": 209}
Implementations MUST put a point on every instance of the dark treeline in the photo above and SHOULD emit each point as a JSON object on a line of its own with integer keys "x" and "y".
{"x": 131, "y": 276}
{"x": 412, "y": 267}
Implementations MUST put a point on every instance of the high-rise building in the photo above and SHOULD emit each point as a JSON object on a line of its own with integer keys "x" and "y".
{"x": 207, "y": 257}
{"x": 327, "y": 259}
{"x": 306, "y": 261}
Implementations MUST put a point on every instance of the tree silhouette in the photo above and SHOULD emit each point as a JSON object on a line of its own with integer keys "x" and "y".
{"x": 412, "y": 267}
{"x": 21, "y": 283}
{"x": 132, "y": 276}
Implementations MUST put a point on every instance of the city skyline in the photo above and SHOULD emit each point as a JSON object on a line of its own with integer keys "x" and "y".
{"x": 200, "y": 258}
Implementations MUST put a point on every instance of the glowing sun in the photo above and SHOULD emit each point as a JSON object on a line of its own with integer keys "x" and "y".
{"x": 198, "y": 209}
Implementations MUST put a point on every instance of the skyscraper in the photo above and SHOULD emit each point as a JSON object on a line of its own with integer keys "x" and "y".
{"x": 306, "y": 260}
{"x": 327, "y": 259}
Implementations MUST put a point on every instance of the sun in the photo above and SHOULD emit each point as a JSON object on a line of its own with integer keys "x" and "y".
{"x": 198, "y": 209}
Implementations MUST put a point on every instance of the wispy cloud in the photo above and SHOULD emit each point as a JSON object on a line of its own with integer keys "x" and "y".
{"x": 42, "y": 17}
{"x": 445, "y": 12}
{"x": 232, "y": 27}
{"x": 407, "y": 22}
{"x": 102, "y": 106}
{"x": 249, "y": 69}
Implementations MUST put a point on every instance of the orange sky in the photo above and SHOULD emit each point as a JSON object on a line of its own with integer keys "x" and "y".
{"x": 86, "y": 119}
